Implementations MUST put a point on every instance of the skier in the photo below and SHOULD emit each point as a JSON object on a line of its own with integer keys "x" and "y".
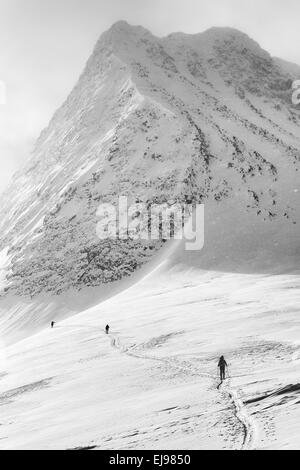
{"x": 222, "y": 364}
{"x": 52, "y": 324}
{"x": 107, "y": 329}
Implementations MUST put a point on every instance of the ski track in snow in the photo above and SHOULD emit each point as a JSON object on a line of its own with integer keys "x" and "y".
{"x": 241, "y": 413}
{"x": 240, "y": 410}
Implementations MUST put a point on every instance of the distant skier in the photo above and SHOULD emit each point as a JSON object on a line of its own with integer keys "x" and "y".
{"x": 107, "y": 329}
{"x": 52, "y": 324}
{"x": 222, "y": 364}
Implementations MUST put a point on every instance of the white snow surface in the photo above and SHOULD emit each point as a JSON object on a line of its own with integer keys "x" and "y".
{"x": 206, "y": 116}
{"x": 152, "y": 383}
{"x": 4, "y": 262}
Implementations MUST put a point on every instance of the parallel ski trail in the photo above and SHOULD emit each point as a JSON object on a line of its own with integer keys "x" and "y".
{"x": 130, "y": 351}
{"x": 241, "y": 413}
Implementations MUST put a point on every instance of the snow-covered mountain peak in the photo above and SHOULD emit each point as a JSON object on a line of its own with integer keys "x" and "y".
{"x": 121, "y": 36}
{"x": 186, "y": 118}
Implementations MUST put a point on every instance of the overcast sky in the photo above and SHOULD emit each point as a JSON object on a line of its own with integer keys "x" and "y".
{"x": 44, "y": 45}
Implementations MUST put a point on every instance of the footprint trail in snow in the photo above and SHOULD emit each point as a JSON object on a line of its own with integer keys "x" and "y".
{"x": 240, "y": 410}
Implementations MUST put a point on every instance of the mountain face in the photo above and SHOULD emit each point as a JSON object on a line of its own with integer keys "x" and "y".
{"x": 186, "y": 118}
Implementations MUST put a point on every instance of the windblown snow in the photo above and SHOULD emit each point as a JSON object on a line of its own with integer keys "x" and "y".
{"x": 152, "y": 382}
{"x": 204, "y": 118}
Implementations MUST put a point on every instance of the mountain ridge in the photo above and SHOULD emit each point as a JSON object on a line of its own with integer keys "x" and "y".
{"x": 161, "y": 120}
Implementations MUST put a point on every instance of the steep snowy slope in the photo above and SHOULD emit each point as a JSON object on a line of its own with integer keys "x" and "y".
{"x": 186, "y": 118}
{"x": 152, "y": 383}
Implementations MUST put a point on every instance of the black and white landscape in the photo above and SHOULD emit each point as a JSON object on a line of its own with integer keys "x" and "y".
{"x": 204, "y": 118}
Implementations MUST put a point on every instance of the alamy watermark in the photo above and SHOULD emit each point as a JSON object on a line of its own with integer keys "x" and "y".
{"x": 140, "y": 221}
{"x": 296, "y": 93}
